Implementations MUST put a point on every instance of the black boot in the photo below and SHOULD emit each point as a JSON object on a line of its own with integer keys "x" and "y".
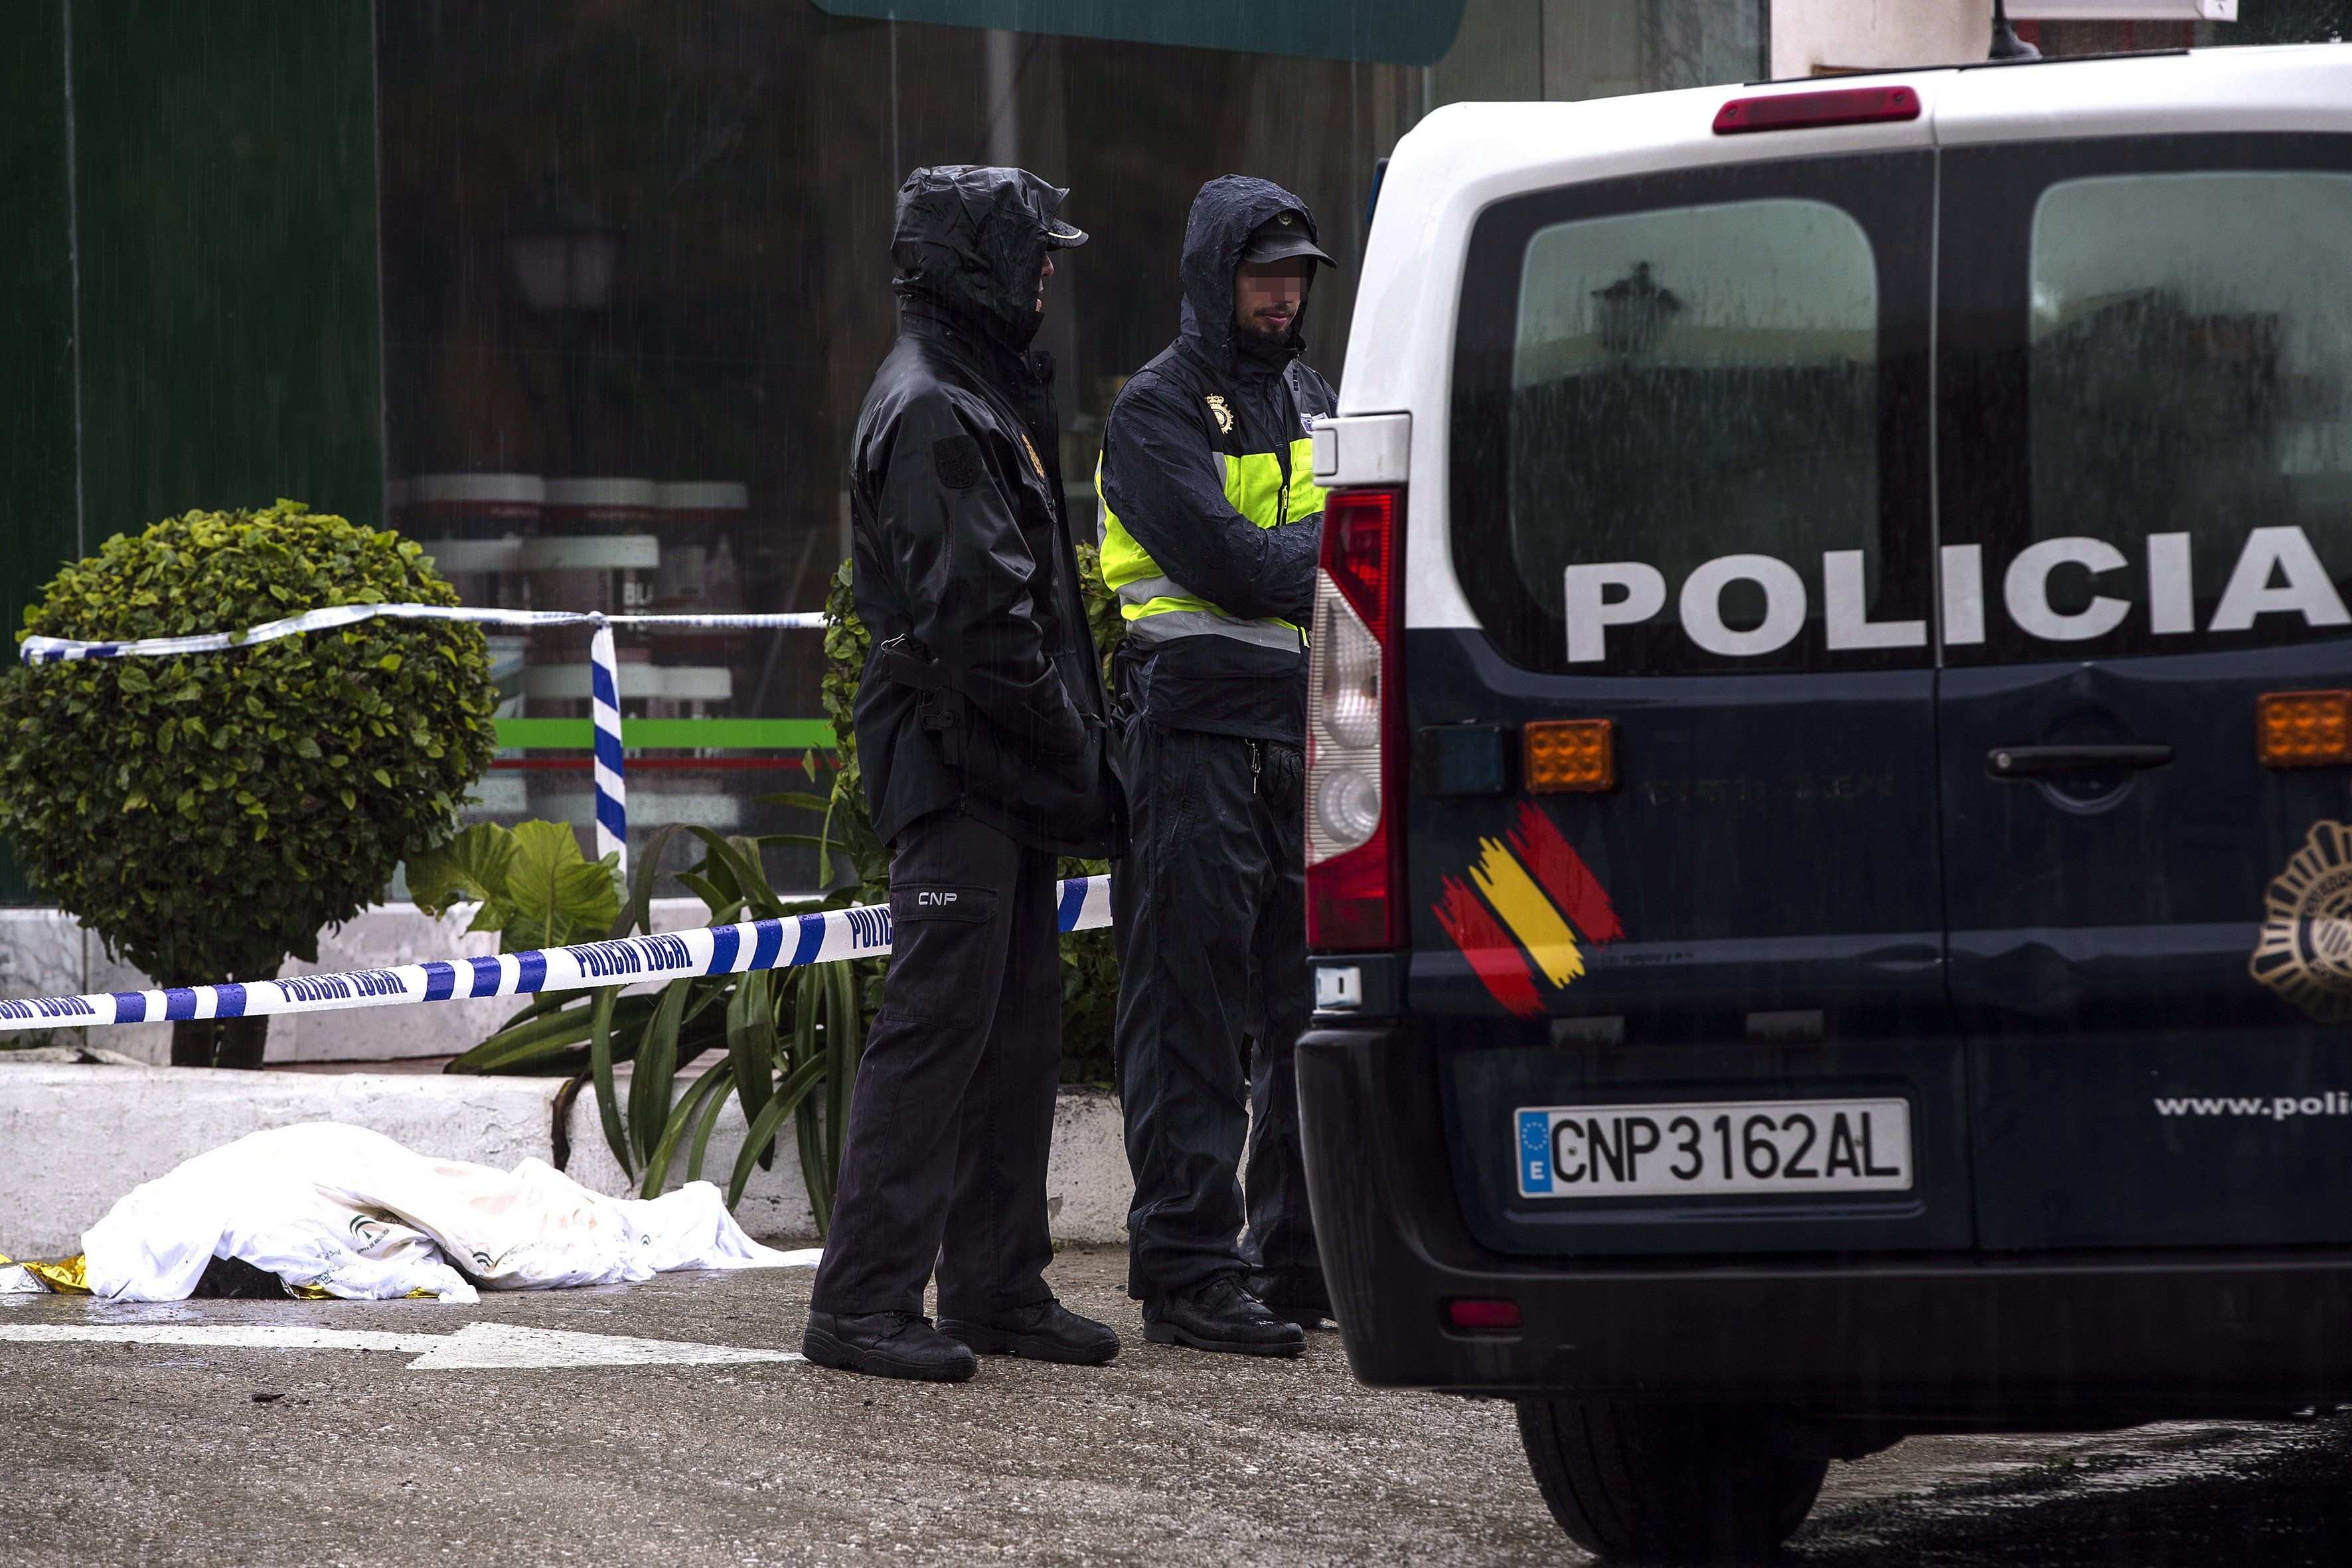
{"x": 1043, "y": 1330}
{"x": 886, "y": 1344}
{"x": 1296, "y": 1299}
{"x": 1221, "y": 1315}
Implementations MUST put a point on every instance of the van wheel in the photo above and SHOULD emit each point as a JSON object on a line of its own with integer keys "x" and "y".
{"x": 1667, "y": 1483}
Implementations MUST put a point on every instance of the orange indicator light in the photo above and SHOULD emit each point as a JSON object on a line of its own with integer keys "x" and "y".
{"x": 2304, "y": 729}
{"x": 1570, "y": 755}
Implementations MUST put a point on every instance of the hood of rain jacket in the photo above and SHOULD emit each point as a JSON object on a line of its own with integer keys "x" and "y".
{"x": 970, "y": 241}
{"x": 1223, "y": 214}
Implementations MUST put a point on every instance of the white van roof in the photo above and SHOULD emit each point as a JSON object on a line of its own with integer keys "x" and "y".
{"x": 1465, "y": 156}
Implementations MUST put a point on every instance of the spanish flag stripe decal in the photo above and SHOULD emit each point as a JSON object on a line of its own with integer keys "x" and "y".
{"x": 1560, "y": 871}
{"x": 1494, "y": 957}
{"x": 1528, "y": 914}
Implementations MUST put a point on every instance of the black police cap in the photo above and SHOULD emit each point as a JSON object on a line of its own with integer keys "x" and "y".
{"x": 1281, "y": 238}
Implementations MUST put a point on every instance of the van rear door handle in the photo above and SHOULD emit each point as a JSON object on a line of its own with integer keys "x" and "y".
{"x": 2043, "y": 762}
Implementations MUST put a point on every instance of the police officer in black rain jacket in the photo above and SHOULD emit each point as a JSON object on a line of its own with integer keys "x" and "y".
{"x": 1210, "y": 525}
{"x": 980, "y": 721}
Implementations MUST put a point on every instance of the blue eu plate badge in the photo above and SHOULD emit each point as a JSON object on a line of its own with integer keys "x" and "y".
{"x": 1535, "y": 1151}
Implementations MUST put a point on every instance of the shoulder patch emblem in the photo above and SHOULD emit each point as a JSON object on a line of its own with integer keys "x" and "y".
{"x": 1036, "y": 461}
{"x": 1224, "y": 414}
{"x": 956, "y": 459}
{"x": 2304, "y": 951}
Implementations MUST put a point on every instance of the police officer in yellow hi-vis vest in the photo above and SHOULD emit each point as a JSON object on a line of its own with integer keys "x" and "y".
{"x": 1210, "y": 524}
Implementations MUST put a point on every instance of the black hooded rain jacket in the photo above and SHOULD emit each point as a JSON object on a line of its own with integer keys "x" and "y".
{"x": 963, "y": 542}
{"x": 1204, "y": 467}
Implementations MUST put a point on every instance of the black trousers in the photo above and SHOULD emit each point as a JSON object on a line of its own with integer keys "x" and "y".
{"x": 953, "y": 1115}
{"x": 1210, "y": 914}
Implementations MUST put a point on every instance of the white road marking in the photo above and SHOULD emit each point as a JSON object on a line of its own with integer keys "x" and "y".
{"x": 505, "y": 1344}
{"x": 476, "y": 1345}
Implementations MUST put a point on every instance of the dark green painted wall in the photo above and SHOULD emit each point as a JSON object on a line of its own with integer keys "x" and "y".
{"x": 36, "y": 433}
{"x": 36, "y": 401}
{"x": 226, "y": 193}
{"x": 221, "y": 216}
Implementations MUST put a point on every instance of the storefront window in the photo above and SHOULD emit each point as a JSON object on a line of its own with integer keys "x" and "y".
{"x": 636, "y": 278}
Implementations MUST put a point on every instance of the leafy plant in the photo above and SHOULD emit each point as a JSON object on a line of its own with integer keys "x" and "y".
{"x": 847, "y": 822}
{"x": 789, "y": 1039}
{"x": 208, "y": 814}
{"x": 536, "y": 888}
{"x": 1104, "y": 620}
{"x": 1089, "y": 960}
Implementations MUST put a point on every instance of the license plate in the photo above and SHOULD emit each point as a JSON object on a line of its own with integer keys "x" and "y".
{"x": 1747, "y": 1146}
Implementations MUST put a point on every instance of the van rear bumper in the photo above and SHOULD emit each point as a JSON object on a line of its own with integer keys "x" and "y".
{"x": 1954, "y": 1339}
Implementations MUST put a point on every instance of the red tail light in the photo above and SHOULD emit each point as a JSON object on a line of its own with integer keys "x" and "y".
{"x": 1355, "y": 744}
{"x": 1808, "y": 110}
{"x": 1483, "y": 1316}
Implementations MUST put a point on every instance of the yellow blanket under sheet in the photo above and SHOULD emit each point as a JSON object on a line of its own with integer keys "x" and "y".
{"x": 66, "y": 1276}
{"x": 63, "y": 1275}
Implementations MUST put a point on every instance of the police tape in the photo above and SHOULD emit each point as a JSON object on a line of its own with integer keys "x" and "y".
{"x": 604, "y": 669}
{"x": 56, "y": 650}
{"x": 822, "y": 936}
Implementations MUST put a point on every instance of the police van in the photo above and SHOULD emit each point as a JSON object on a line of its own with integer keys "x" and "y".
{"x": 1830, "y": 778}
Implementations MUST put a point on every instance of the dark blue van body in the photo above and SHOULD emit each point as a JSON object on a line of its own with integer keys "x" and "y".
{"x": 1938, "y": 1018}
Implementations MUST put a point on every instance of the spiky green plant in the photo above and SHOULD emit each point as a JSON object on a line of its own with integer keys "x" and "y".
{"x": 790, "y": 1038}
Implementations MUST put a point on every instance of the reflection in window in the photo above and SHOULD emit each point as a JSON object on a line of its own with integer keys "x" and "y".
{"x": 1694, "y": 383}
{"x": 2190, "y": 337}
{"x": 636, "y": 279}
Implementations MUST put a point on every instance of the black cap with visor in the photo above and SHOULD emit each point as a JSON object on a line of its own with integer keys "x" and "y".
{"x": 1280, "y": 238}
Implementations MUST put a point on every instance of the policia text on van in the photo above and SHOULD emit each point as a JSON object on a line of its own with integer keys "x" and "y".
{"x": 1830, "y": 720}
{"x": 2277, "y": 574}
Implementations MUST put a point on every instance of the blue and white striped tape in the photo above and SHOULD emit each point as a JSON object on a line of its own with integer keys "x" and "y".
{"x": 56, "y": 650}
{"x": 603, "y": 669}
{"x": 604, "y": 712}
{"x": 826, "y": 936}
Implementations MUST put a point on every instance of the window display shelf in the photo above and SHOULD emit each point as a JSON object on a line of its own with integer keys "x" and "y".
{"x": 451, "y": 557}
{"x": 650, "y": 806}
{"x": 639, "y": 682}
{"x": 592, "y": 552}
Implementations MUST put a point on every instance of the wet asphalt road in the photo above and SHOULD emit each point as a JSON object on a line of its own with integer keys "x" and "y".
{"x": 117, "y": 1452}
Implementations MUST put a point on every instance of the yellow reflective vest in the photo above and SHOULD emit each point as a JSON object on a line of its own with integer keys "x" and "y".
{"x": 1265, "y": 464}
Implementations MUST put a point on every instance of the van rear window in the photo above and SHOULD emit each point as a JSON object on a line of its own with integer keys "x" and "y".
{"x": 1686, "y": 402}
{"x": 2189, "y": 345}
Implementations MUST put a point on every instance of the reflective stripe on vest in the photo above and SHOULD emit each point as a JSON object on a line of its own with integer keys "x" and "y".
{"x": 1156, "y": 606}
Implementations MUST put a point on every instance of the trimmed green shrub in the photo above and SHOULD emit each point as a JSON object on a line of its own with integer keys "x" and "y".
{"x": 207, "y": 814}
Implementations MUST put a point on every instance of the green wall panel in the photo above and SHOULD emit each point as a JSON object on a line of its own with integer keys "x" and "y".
{"x": 690, "y": 734}
{"x": 36, "y": 403}
{"x": 225, "y": 156}
{"x": 220, "y": 213}
{"x": 37, "y": 409}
